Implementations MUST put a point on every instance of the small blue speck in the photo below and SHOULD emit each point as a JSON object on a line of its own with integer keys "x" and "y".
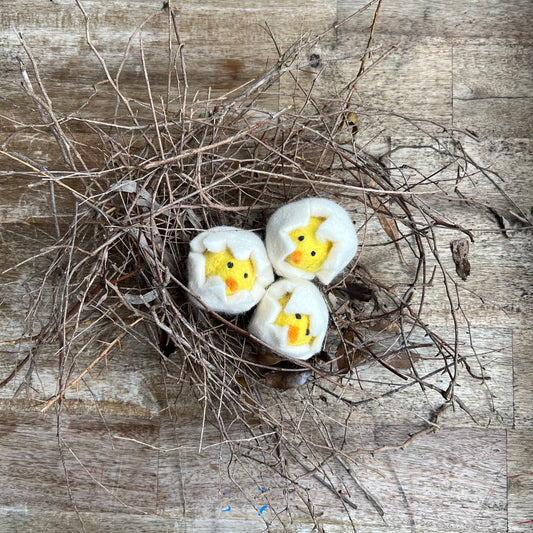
{"x": 262, "y": 510}
{"x": 261, "y": 489}
{"x": 226, "y": 510}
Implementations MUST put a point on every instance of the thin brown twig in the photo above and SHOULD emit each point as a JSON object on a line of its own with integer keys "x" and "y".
{"x": 95, "y": 361}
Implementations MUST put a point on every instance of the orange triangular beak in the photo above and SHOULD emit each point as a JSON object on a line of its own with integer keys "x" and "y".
{"x": 232, "y": 285}
{"x": 296, "y": 257}
{"x": 293, "y": 334}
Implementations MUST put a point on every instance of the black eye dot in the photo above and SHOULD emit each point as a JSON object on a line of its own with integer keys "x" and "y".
{"x": 307, "y": 331}
{"x": 298, "y": 316}
{"x": 230, "y": 264}
{"x": 245, "y": 275}
{"x": 313, "y": 253}
{"x": 301, "y": 238}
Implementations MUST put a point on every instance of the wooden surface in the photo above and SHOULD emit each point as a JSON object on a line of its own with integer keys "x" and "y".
{"x": 133, "y": 464}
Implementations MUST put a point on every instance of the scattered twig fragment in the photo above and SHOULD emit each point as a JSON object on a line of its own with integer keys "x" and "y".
{"x": 459, "y": 249}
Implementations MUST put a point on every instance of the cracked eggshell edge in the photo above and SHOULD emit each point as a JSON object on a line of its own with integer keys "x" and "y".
{"x": 305, "y": 299}
{"x": 243, "y": 244}
{"x": 337, "y": 228}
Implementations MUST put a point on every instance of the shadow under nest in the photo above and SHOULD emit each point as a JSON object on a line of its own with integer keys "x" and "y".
{"x": 169, "y": 175}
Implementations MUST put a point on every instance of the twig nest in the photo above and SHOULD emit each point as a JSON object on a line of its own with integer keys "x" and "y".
{"x": 292, "y": 318}
{"x": 228, "y": 269}
{"x": 310, "y": 237}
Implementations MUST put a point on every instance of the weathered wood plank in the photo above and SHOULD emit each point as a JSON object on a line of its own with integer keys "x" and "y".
{"x": 400, "y": 482}
{"x": 102, "y": 475}
{"x": 465, "y": 65}
{"x": 520, "y": 474}
{"x": 22, "y": 267}
{"x": 493, "y": 88}
{"x": 226, "y": 45}
{"x": 489, "y": 56}
{"x": 523, "y": 376}
{"x": 413, "y": 80}
{"x": 111, "y": 471}
{"x": 495, "y": 292}
{"x": 20, "y": 519}
{"x": 470, "y": 19}
{"x": 129, "y": 380}
{"x": 26, "y": 204}
{"x": 489, "y": 403}
{"x": 479, "y": 504}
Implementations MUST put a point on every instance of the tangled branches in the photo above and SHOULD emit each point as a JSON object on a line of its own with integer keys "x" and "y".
{"x": 168, "y": 171}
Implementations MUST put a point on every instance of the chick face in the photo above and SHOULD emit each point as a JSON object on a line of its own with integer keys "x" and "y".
{"x": 326, "y": 228}
{"x": 237, "y": 274}
{"x": 292, "y": 318}
{"x": 310, "y": 253}
{"x": 298, "y": 333}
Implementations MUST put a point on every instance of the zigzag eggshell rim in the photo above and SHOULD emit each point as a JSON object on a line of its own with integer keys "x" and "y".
{"x": 305, "y": 299}
{"x": 337, "y": 227}
{"x": 243, "y": 244}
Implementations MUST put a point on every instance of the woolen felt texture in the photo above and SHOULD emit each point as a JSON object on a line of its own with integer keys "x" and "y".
{"x": 307, "y": 300}
{"x": 337, "y": 227}
{"x": 211, "y": 290}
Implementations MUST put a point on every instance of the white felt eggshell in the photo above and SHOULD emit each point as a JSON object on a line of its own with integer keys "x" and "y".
{"x": 337, "y": 228}
{"x": 305, "y": 299}
{"x": 211, "y": 290}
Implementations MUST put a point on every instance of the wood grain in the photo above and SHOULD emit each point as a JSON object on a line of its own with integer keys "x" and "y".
{"x": 488, "y": 82}
{"x": 226, "y": 45}
{"x": 520, "y": 479}
{"x": 470, "y": 20}
{"x": 123, "y": 469}
{"x": 131, "y": 462}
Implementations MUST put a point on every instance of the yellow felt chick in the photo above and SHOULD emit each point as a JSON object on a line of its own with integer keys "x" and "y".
{"x": 308, "y": 238}
{"x": 310, "y": 253}
{"x": 298, "y": 332}
{"x": 228, "y": 270}
{"x": 235, "y": 273}
{"x": 292, "y": 318}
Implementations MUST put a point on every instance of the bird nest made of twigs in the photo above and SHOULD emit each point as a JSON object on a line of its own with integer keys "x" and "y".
{"x": 171, "y": 172}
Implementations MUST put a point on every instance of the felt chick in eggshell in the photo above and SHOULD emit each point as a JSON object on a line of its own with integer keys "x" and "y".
{"x": 228, "y": 269}
{"x": 310, "y": 237}
{"x": 292, "y": 318}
